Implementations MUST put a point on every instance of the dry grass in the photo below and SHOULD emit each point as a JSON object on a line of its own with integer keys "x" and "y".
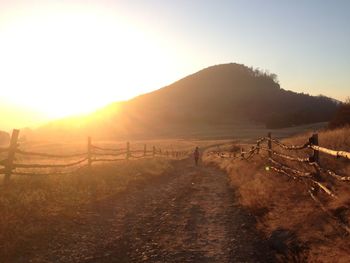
{"x": 30, "y": 206}
{"x": 283, "y": 203}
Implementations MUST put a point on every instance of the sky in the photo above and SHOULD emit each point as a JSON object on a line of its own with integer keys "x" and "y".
{"x": 65, "y": 57}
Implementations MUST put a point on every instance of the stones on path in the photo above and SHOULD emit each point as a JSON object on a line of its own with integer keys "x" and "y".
{"x": 188, "y": 215}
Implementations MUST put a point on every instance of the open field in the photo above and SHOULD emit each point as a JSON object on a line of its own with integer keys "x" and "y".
{"x": 35, "y": 208}
{"x": 30, "y": 206}
{"x": 45, "y": 157}
{"x": 241, "y": 130}
{"x": 283, "y": 207}
{"x": 64, "y": 218}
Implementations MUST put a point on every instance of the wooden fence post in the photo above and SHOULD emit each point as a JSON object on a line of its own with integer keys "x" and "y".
{"x": 258, "y": 147}
{"x": 127, "y": 150}
{"x": 269, "y": 144}
{"x": 89, "y": 152}
{"x": 154, "y": 151}
{"x": 11, "y": 155}
{"x": 316, "y": 158}
{"x": 144, "y": 150}
{"x": 316, "y": 153}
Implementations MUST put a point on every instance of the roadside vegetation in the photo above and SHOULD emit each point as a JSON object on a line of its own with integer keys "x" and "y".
{"x": 32, "y": 207}
{"x": 296, "y": 226}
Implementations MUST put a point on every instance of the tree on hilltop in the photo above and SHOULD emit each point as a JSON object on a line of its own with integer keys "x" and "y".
{"x": 342, "y": 116}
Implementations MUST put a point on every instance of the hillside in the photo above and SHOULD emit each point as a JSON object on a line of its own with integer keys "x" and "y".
{"x": 216, "y": 96}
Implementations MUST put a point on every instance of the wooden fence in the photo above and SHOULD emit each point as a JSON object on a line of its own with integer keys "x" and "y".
{"x": 277, "y": 162}
{"x": 93, "y": 154}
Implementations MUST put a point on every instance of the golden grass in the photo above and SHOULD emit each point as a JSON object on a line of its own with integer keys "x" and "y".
{"x": 280, "y": 202}
{"x": 29, "y": 206}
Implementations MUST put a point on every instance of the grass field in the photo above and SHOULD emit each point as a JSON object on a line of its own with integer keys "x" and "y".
{"x": 243, "y": 131}
{"x": 31, "y": 205}
{"x": 284, "y": 209}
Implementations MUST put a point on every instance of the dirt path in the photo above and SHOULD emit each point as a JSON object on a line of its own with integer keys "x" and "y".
{"x": 188, "y": 215}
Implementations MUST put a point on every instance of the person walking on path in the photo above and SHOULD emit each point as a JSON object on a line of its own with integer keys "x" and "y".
{"x": 196, "y": 156}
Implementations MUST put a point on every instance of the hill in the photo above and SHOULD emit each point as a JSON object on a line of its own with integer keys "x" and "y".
{"x": 216, "y": 96}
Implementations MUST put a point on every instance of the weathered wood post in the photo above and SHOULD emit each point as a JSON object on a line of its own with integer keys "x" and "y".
{"x": 316, "y": 159}
{"x": 242, "y": 152}
{"x": 144, "y": 150}
{"x": 316, "y": 153}
{"x": 127, "y": 150}
{"x": 258, "y": 147}
{"x": 154, "y": 151}
{"x": 11, "y": 155}
{"x": 269, "y": 144}
{"x": 89, "y": 152}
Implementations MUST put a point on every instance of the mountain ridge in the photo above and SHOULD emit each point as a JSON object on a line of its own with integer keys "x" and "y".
{"x": 217, "y": 95}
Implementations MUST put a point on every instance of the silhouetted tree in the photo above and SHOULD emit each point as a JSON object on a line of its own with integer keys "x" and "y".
{"x": 342, "y": 116}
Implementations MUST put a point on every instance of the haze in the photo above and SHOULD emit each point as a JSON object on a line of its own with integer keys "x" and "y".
{"x": 59, "y": 58}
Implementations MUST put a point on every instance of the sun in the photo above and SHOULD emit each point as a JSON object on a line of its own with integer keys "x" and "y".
{"x": 64, "y": 63}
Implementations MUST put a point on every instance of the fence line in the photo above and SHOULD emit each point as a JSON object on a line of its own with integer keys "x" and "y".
{"x": 46, "y": 174}
{"x": 295, "y": 171}
{"x": 23, "y": 165}
{"x": 312, "y": 179}
{"x": 331, "y": 152}
{"x": 331, "y": 173}
{"x": 106, "y": 160}
{"x": 18, "y": 151}
{"x": 288, "y": 147}
{"x": 106, "y": 149}
{"x": 109, "y": 154}
{"x": 287, "y": 157}
{"x": 90, "y": 157}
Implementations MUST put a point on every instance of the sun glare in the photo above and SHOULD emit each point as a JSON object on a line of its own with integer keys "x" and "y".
{"x": 72, "y": 63}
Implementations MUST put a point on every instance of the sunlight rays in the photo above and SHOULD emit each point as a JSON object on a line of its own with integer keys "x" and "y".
{"x": 72, "y": 63}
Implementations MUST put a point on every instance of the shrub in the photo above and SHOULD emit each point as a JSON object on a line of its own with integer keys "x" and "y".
{"x": 342, "y": 116}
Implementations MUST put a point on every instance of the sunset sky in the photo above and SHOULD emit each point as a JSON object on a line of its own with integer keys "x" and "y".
{"x": 69, "y": 57}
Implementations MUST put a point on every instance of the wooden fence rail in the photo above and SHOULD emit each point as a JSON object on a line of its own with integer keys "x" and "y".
{"x": 331, "y": 152}
{"x": 312, "y": 179}
{"x": 93, "y": 154}
{"x": 63, "y": 156}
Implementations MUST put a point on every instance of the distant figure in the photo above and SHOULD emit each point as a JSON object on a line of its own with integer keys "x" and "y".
{"x": 196, "y": 155}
